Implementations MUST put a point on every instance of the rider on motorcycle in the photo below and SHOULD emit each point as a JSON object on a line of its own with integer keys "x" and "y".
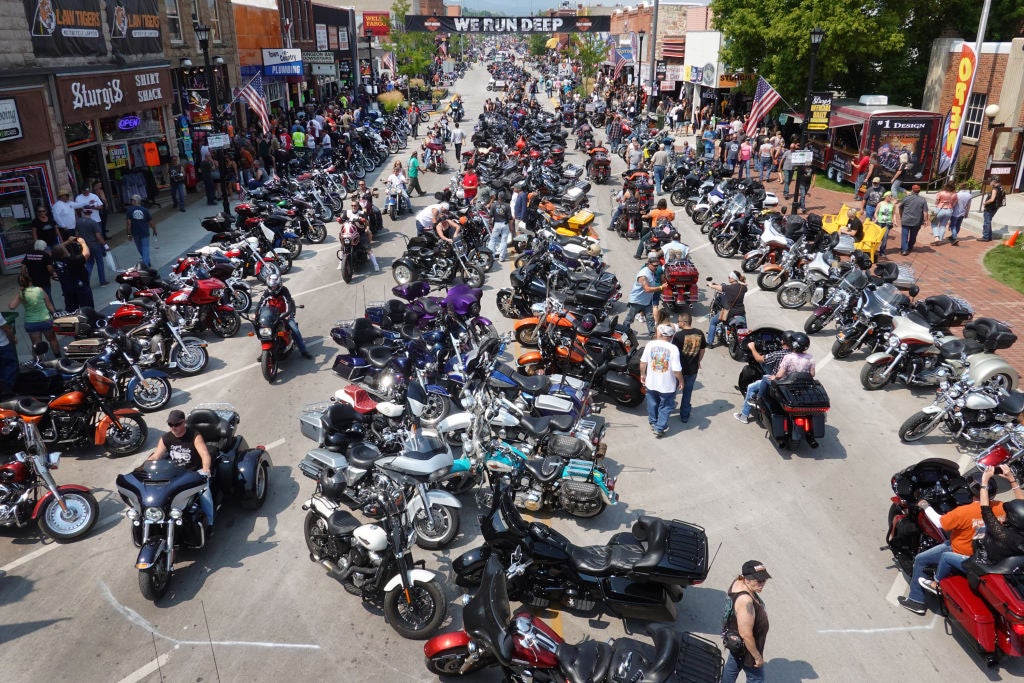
{"x": 186, "y": 448}
{"x": 446, "y": 228}
{"x": 398, "y": 180}
{"x": 1001, "y": 539}
{"x": 796, "y": 360}
{"x": 278, "y": 296}
{"x": 358, "y": 218}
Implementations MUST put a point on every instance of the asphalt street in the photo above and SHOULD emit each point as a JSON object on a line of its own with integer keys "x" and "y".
{"x": 253, "y": 607}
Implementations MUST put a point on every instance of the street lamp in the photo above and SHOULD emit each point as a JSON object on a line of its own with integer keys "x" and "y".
{"x": 817, "y": 35}
{"x": 203, "y": 38}
{"x": 640, "y": 68}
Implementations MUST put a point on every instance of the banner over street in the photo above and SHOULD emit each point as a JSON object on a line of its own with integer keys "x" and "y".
{"x": 509, "y": 25}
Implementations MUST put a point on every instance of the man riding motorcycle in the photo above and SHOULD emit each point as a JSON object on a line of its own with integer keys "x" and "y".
{"x": 358, "y": 218}
{"x": 796, "y": 360}
{"x": 278, "y": 296}
{"x": 186, "y": 448}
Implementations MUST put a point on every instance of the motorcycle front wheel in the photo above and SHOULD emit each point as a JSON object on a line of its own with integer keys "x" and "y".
{"x": 61, "y": 526}
{"x": 241, "y": 300}
{"x": 771, "y": 280}
{"x": 482, "y": 258}
{"x": 436, "y": 409}
{"x": 268, "y": 365}
{"x": 752, "y": 264}
{"x": 266, "y": 270}
{"x": 294, "y": 245}
{"x": 317, "y": 232}
{"x": 441, "y": 532}
{"x": 918, "y": 426}
{"x": 473, "y": 276}
{"x": 506, "y": 305}
{"x": 527, "y": 335}
{"x": 871, "y": 377}
{"x": 793, "y": 295}
{"x": 815, "y": 323}
{"x": 225, "y": 323}
{"x": 450, "y": 662}
{"x": 415, "y": 612}
{"x": 678, "y": 198}
{"x": 152, "y": 394}
{"x": 324, "y": 213}
{"x": 700, "y": 216}
{"x": 284, "y": 264}
{"x": 394, "y": 211}
{"x": 129, "y": 438}
{"x": 844, "y": 347}
{"x": 190, "y": 360}
{"x": 726, "y": 247}
{"x": 154, "y": 582}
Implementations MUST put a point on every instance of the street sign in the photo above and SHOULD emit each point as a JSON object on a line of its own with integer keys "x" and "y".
{"x": 218, "y": 140}
{"x": 802, "y": 157}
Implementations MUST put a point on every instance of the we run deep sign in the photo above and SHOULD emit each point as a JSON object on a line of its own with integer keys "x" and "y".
{"x": 507, "y": 25}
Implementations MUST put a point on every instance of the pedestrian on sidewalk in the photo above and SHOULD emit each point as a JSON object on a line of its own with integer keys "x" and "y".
{"x": 913, "y": 211}
{"x": 860, "y": 172}
{"x": 64, "y": 213}
{"x": 659, "y": 162}
{"x": 872, "y": 196}
{"x": 89, "y": 231}
{"x": 414, "y": 173}
{"x": 661, "y": 374}
{"x": 945, "y": 201}
{"x": 91, "y": 203}
{"x": 963, "y": 206}
{"x": 177, "y": 177}
{"x": 44, "y": 227}
{"x": 72, "y": 255}
{"x": 885, "y": 212}
{"x": 39, "y": 312}
{"x": 787, "y": 170}
{"x": 804, "y": 182}
{"x": 900, "y": 175}
{"x": 139, "y": 223}
{"x": 691, "y": 344}
{"x": 995, "y": 199}
{"x": 38, "y": 265}
{"x": 8, "y": 358}
{"x": 747, "y": 617}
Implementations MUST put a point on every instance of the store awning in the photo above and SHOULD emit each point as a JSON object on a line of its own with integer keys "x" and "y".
{"x": 552, "y": 43}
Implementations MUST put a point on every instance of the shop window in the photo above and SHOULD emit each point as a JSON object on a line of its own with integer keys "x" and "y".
{"x": 1004, "y": 145}
{"x": 213, "y": 17}
{"x": 136, "y": 125}
{"x": 21, "y": 190}
{"x": 975, "y": 113}
{"x": 173, "y": 21}
{"x": 845, "y": 138}
{"x": 77, "y": 134}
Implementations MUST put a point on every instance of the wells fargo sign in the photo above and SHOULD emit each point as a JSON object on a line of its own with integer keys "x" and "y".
{"x": 966, "y": 65}
{"x": 376, "y": 23}
{"x": 112, "y": 93}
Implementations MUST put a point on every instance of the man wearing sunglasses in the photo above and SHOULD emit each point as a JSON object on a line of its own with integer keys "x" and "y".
{"x": 186, "y": 448}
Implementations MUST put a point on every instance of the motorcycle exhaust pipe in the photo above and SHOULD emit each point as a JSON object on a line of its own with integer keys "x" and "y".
{"x": 343, "y": 574}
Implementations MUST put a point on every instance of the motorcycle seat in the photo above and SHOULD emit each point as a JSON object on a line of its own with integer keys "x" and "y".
{"x": 430, "y": 305}
{"x": 70, "y": 367}
{"x": 545, "y": 470}
{"x": 362, "y": 455}
{"x": 535, "y": 384}
{"x": 26, "y": 405}
{"x": 1012, "y": 404}
{"x": 952, "y": 349}
{"x": 539, "y": 426}
{"x": 585, "y": 662}
{"x": 210, "y": 426}
{"x": 379, "y": 356}
{"x": 602, "y": 560}
{"x": 342, "y": 523}
{"x": 605, "y": 327}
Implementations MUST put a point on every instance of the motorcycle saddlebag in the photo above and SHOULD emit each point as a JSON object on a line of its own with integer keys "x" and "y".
{"x": 547, "y": 404}
{"x": 84, "y": 349}
{"x": 630, "y": 599}
{"x": 1005, "y": 591}
{"x": 350, "y": 367}
{"x": 616, "y": 382}
{"x": 319, "y": 459}
{"x": 969, "y": 612}
{"x": 801, "y": 394}
{"x": 80, "y": 322}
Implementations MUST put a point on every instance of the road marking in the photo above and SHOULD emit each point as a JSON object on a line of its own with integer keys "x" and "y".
{"x": 274, "y": 444}
{"x": 890, "y": 629}
{"x": 140, "y": 621}
{"x": 145, "y": 670}
{"x": 39, "y": 552}
{"x": 222, "y": 376}
{"x": 317, "y": 289}
{"x": 899, "y": 585}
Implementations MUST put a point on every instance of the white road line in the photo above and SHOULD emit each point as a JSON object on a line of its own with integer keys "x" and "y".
{"x": 145, "y": 670}
{"x": 890, "y": 629}
{"x": 898, "y": 588}
{"x": 39, "y": 552}
{"x": 222, "y": 376}
{"x": 274, "y": 444}
{"x": 317, "y": 289}
{"x": 140, "y": 621}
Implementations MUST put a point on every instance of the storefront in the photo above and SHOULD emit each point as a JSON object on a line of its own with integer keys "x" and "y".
{"x": 26, "y": 173}
{"x": 322, "y": 73}
{"x": 118, "y": 129}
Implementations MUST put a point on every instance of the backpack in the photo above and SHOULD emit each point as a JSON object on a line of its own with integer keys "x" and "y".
{"x": 1000, "y": 198}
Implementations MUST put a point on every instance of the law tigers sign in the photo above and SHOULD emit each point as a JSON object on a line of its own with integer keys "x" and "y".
{"x": 508, "y": 25}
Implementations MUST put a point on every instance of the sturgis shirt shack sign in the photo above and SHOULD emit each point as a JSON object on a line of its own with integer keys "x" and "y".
{"x": 112, "y": 93}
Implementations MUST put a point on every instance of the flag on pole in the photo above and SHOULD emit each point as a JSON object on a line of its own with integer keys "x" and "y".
{"x": 765, "y": 97}
{"x": 252, "y": 93}
{"x": 388, "y": 61}
{"x": 620, "y": 62}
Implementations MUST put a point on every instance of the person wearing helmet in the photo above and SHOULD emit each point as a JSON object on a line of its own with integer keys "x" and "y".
{"x": 279, "y": 296}
{"x": 1001, "y": 539}
{"x": 769, "y": 363}
{"x": 962, "y": 525}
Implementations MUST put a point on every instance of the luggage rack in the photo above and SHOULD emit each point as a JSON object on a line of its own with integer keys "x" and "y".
{"x": 225, "y": 411}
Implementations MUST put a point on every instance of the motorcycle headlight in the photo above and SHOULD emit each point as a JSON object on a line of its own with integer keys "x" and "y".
{"x": 440, "y": 474}
{"x": 154, "y": 515}
{"x": 266, "y": 333}
{"x": 175, "y": 513}
{"x": 132, "y": 514}
{"x": 904, "y": 347}
{"x": 346, "y": 241}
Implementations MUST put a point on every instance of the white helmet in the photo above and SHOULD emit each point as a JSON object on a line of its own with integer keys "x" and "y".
{"x": 274, "y": 282}
{"x": 371, "y": 537}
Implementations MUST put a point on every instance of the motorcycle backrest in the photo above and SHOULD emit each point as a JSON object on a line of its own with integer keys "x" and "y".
{"x": 412, "y": 290}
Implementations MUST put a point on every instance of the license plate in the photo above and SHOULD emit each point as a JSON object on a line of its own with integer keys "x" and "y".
{"x": 841, "y": 336}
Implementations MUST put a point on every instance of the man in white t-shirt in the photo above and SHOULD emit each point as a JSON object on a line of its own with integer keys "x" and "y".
{"x": 662, "y": 375}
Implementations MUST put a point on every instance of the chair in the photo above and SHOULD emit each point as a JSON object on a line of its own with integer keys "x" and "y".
{"x": 873, "y": 234}
{"x": 833, "y": 222}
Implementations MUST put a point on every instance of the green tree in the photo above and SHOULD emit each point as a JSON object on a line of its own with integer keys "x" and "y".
{"x": 537, "y": 44}
{"x": 870, "y": 46}
{"x": 414, "y": 50}
{"x": 589, "y": 50}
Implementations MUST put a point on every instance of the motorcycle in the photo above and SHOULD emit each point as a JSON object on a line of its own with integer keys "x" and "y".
{"x": 270, "y": 326}
{"x": 375, "y": 561}
{"x": 526, "y": 648}
{"x": 438, "y": 262}
{"x": 206, "y": 304}
{"x": 351, "y": 254}
{"x": 65, "y": 512}
{"x": 733, "y": 334}
{"x": 975, "y": 414}
{"x": 871, "y": 319}
{"x": 163, "y": 499}
{"x": 395, "y": 201}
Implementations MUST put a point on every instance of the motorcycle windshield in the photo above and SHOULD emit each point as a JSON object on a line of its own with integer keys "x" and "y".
{"x": 488, "y": 612}
{"x": 268, "y": 316}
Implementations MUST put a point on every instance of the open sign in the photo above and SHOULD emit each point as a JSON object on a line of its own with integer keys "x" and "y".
{"x": 128, "y": 122}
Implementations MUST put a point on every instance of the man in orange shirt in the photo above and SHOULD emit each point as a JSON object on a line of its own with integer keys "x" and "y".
{"x": 961, "y": 524}
{"x": 654, "y": 215}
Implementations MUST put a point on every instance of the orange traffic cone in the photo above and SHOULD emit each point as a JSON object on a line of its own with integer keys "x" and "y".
{"x": 1013, "y": 238}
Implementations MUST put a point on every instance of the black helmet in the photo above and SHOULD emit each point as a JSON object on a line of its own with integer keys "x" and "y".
{"x": 1014, "y": 511}
{"x": 124, "y": 292}
{"x": 332, "y": 482}
{"x": 798, "y": 341}
{"x": 588, "y": 322}
{"x": 974, "y": 484}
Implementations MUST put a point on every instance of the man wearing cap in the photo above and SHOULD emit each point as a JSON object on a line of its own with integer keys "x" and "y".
{"x": 186, "y": 448}
{"x": 913, "y": 211}
{"x": 64, "y": 213}
{"x": 872, "y": 196}
{"x": 748, "y": 617}
{"x": 662, "y": 375}
{"x": 641, "y": 296}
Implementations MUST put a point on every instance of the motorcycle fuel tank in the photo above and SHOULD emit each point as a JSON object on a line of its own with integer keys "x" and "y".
{"x": 69, "y": 401}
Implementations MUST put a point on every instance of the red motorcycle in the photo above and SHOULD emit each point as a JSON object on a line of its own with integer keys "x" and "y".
{"x": 270, "y": 326}
{"x": 986, "y": 603}
{"x": 206, "y": 304}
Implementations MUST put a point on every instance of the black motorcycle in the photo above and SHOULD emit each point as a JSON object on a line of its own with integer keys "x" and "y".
{"x": 277, "y": 341}
{"x": 438, "y": 262}
{"x": 163, "y": 499}
{"x": 639, "y": 575}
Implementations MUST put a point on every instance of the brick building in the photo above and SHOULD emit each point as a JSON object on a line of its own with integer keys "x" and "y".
{"x": 993, "y": 138}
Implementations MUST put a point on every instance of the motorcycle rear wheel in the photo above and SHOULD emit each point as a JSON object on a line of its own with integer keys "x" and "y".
{"x": 871, "y": 376}
{"x": 153, "y": 583}
{"x": 627, "y": 399}
{"x": 918, "y": 426}
{"x": 131, "y": 438}
{"x": 418, "y": 616}
{"x": 268, "y": 365}
{"x": 318, "y": 538}
{"x": 262, "y": 488}
{"x": 81, "y": 515}
{"x": 450, "y": 662}
{"x": 225, "y": 324}
{"x": 442, "y": 532}
{"x": 735, "y": 350}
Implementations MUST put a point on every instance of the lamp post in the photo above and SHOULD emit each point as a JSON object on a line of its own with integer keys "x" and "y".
{"x": 640, "y": 68}
{"x": 817, "y": 35}
{"x": 203, "y": 38}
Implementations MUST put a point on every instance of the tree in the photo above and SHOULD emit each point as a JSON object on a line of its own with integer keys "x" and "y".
{"x": 870, "y": 46}
{"x": 590, "y": 51}
{"x": 538, "y": 43}
{"x": 414, "y": 50}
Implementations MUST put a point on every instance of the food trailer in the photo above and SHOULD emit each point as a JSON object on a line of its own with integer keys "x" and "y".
{"x": 873, "y": 124}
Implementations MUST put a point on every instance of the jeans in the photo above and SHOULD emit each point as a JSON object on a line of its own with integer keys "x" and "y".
{"x": 96, "y": 257}
{"x": 659, "y": 176}
{"x": 647, "y": 309}
{"x": 766, "y": 168}
{"x": 733, "y": 668}
{"x": 211, "y": 189}
{"x": 925, "y": 560}
{"x": 896, "y": 184}
{"x": 745, "y": 168}
{"x": 787, "y": 178}
{"x": 713, "y": 329}
{"x": 142, "y": 244}
{"x": 948, "y": 563}
{"x": 684, "y": 403}
{"x": 754, "y": 391}
{"x": 659, "y": 407}
{"x": 178, "y": 195}
{"x": 498, "y": 243}
{"x": 615, "y": 216}
{"x": 954, "y": 226}
{"x": 986, "y": 224}
{"x": 9, "y": 367}
{"x": 869, "y": 210}
{"x": 801, "y": 191}
{"x": 909, "y": 237}
{"x": 856, "y": 184}
{"x": 294, "y": 327}
{"x": 885, "y": 238}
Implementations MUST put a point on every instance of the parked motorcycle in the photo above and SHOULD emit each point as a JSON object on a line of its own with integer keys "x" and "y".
{"x": 436, "y": 261}
{"x": 64, "y": 512}
{"x": 975, "y": 414}
{"x": 163, "y": 498}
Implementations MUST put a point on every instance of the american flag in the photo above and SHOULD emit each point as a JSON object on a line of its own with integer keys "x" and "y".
{"x": 388, "y": 60}
{"x": 620, "y": 62}
{"x": 252, "y": 93}
{"x": 765, "y": 97}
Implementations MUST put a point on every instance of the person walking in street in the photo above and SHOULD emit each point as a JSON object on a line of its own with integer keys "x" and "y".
{"x": 139, "y": 223}
{"x": 691, "y": 344}
{"x": 945, "y": 200}
{"x": 960, "y": 210}
{"x": 501, "y": 215}
{"x": 176, "y": 174}
{"x": 89, "y": 231}
{"x": 458, "y": 137}
{"x": 641, "y": 296}
{"x": 872, "y": 196}
{"x": 913, "y": 211}
{"x": 885, "y": 213}
{"x": 39, "y": 312}
{"x": 659, "y": 162}
{"x": 747, "y": 616}
{"x": 414, "y": 173}
{"x": 661, "y": 374}
{"x": 995, "y": 199}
